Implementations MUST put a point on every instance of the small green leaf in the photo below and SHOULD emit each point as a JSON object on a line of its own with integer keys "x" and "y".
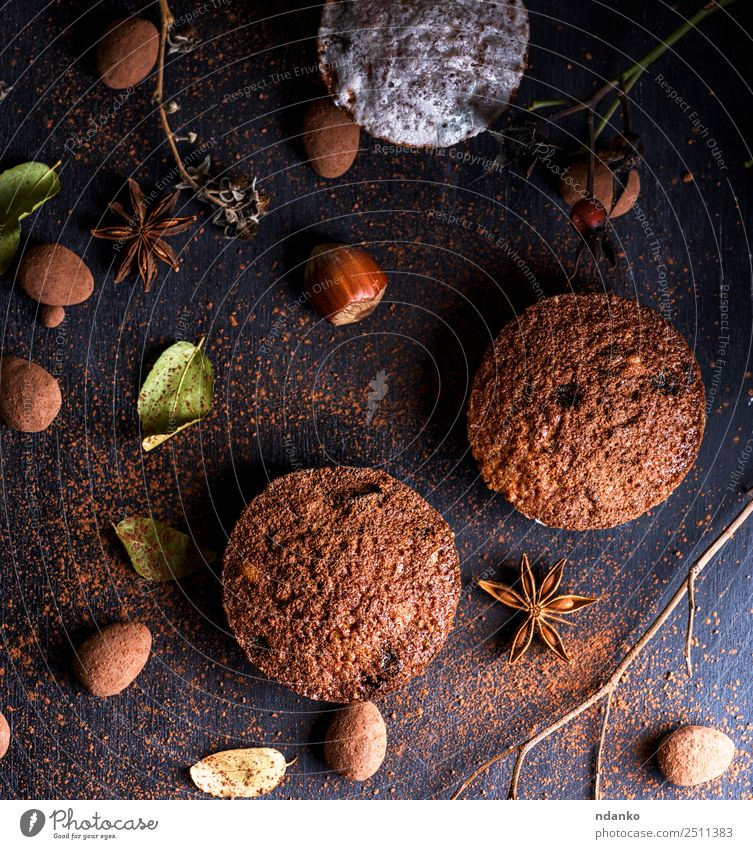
{"x": 10, "y": 237}
{"x": 23, "y": 190}
{"x": 159, "y": 552}
{"x": 176, "y": 394}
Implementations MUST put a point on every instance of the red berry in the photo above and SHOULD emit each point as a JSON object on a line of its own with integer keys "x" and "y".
{"x": 587, "y": 215}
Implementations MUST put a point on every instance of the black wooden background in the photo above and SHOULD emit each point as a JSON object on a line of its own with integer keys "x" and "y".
{"x": 292, "y": 392}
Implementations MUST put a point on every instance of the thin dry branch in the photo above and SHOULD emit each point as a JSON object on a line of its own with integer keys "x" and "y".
{"x": 167, "y": 21}
{"x": 608, "y": 688}
{"x": 602, "y": 742}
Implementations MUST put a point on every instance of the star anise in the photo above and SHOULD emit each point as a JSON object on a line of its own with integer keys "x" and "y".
{"x": 541, "y": 606}
{"x": 143, "y": 236}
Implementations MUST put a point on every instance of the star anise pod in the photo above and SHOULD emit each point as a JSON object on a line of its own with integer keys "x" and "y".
{"x": 540, "y": 605}
{"x": 143, "y": 235}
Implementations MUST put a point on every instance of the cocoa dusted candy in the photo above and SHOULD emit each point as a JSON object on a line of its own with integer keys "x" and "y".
{"x": 29, "y": 395}
{"x": 127, "y": 52}
{"x": 54, "y": 275}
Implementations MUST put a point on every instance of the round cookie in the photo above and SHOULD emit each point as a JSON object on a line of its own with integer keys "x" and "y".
{"x": 341, "y": 583}
{"x": 586, "y": 411}
{"x": 424, "y": 73}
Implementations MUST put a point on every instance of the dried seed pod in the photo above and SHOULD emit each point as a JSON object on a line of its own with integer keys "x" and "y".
{"x": 344, "y": 284}
{"x": 330, "y": 139}
{"x": 694, "y": 754}
{"x": 29, "y": 395}
{"x": 127, "y": 52}
{"x": 573, "y": 187}
{"x": 356, "y": 741}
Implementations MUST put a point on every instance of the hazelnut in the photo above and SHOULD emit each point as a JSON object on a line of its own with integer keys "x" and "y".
{"x": 127, "y": 52}
{"x": 330, "y": 139}
{"x": 108, "y": 661}
{"x": 356, "y": 741}
{"x": 574, "y": 182}
{"x": 54, "y": 275}
{"x": 344, "y": 284}
{"x": 29, "y": 395}
{"x": 694, "y": 754}
{"x": 4, "y": 735}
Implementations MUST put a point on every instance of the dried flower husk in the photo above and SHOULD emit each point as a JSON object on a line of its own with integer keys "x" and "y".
{"x": 240, "y": 773}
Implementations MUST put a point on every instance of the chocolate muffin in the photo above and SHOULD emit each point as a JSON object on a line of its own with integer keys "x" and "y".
{"x": 586, "y": 411}
{"x": 341, "y": 583}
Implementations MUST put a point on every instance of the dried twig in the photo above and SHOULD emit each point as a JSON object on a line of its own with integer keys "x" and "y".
{"x": 608, "y": 688}
{"x": 627, "y": 79}
{"x": 238, "y": 204}
{"x": 166, "y": 23}
{"x": 691, "y": 621}
{"x": 600, "y": 748}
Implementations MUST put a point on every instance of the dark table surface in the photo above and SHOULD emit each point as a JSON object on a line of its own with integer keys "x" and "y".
{"x": 292, "y": 391}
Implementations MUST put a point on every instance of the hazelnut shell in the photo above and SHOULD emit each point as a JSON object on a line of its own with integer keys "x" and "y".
{"x": 573, "y": 187}
{"x": 127, "y": 52}
{"x": 694, "y": 754}
{"x": 344, "y": 284}
{"x": 4, "y": 735}
{"x": 356, "y": 741}
{"x": 54, "y": 275}
{"x": 108, "y": 661}
{"x": 29, "y": 395}
{"x": 330, "y": 139}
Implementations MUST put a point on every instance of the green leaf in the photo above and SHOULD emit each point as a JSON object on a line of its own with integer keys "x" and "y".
{"x": 176, "y": 394}
{"x": 159, "y": 552}
{"x": 10, "y": 237}
{"x": 23, "y": 190}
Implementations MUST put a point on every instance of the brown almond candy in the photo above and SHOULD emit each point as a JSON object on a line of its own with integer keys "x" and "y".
{"x": 330, "y": 139}
{"x": 356, "y": 741}
{"x": 29, "y": 395}
{"x": 4, "y": 735}
{"x": 127, "y": 52}
{"x": 51, "y": 274}
{"x": 694, "y": 754}
{"x": 344, "y": 284}
{"x": 108, "y": 661}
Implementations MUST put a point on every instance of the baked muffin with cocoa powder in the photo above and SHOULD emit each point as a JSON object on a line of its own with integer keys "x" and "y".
{"x": 341, "y": 583}
{"x": 587, "y": 411}
{"x": 425, "y": 73}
